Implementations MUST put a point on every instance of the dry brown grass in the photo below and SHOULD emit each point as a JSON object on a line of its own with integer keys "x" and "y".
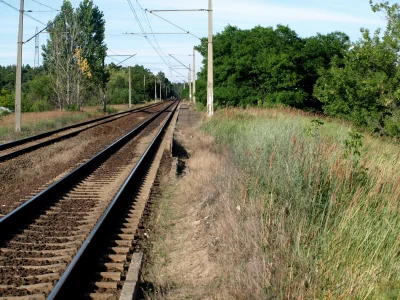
{"x": 207, "y": 233}
{"x": 279, "y": 214}
{"x": 180, "y": 265}
{"x": 31, "y": 117}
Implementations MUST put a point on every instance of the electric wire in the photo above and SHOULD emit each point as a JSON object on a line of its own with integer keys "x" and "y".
{"x": 46, "y": 5}
{"x": 173, "y": 24}
{"x": 29, "y": 16}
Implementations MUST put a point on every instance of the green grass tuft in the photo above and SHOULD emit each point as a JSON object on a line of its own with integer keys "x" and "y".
{"x": 327, "y": 204}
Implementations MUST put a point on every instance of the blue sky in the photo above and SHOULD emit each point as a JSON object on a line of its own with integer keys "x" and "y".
{"x": 306, "y": 17}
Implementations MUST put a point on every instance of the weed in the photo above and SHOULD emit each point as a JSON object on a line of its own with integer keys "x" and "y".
{"x": 353, "y": 145}
{"x": 313, "y": 130}
{"x": 316, "y": 220}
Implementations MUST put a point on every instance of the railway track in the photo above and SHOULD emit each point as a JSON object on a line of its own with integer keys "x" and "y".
{"x": 19, "y": 147}
{"x": 74, "y": 239}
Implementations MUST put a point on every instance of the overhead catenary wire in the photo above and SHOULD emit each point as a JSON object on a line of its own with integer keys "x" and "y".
{"x": 158, "y": 51}
{"x": 136, "y": 33}
{"x": 118, "y": 62}
{"x": 177, "y": 10}
{"x": 29, "y": 16}
{"x": 178, "y": 61}
{"x": 46, "y": 5}
{"x": 150, "y": 35}
{"x": 121, "y": 62}
{"x": 173, "y": 24}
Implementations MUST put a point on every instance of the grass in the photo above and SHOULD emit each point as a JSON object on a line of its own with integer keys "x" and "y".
{"x": 303, "y": 210}
{"x": 33, "y": 125}
{"x": 38, "y": 122}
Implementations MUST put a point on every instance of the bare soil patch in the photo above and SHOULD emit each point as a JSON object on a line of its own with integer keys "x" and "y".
{"x": 178, "y": 264}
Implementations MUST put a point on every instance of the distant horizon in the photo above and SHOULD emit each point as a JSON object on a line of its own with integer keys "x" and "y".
{"x": 306, "y": 18}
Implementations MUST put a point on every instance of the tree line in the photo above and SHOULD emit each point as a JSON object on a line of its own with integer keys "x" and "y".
{"x": 74, "y": 72}
{"x": 356, "y": 81}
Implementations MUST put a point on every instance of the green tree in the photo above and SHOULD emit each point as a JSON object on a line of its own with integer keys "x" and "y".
{"x": 91, "y": 24}
{"x": 268, "y": 65}
{"x": 364, "y": 86}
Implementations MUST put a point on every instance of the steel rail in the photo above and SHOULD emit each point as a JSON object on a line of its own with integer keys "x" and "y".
{"x": 10, "y": 223}
{"x": 49, "y": 133}
{"x": 70, "y": 284}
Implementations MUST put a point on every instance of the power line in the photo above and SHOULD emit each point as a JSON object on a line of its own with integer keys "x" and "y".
{"x": 135, "y": 33}
{"x": 121, "y": 62}
{"x": 178, "y": 61}
{"x": 29, "y": 16}
{"x": 176, "y": 10}
{"x": 136, "y": 16}
{"x": 46, "y": 5}
{"x": 143, "y": 31}
{"x": 173, "y": 24}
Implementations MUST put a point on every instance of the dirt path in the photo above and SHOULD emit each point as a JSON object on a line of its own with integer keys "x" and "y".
{"x": 178, "y": 266}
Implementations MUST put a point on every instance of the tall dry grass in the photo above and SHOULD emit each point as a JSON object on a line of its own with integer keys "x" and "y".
{"x": 298, "y": 213}
{"x": 38, "y": 122}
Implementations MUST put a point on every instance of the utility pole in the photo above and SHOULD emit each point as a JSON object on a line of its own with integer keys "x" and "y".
{"x": 18, "y": 78}
{"x": 190, "y": 86}
{"x": 36, "y": 60}
{"x": 104, "y": 89}
{"x": 155, "y": 89}
{"x": 130, "y": 88}
{"x": 210, "y": 73}
{"x": 194, "y": 76}
{"x": 144, "y": 88}
{"x": 160, "y": 91}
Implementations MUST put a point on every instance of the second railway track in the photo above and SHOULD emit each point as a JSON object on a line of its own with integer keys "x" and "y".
{"x": 40, "y": 239}
{"x": 25, "y": 176}
{"x": 14, "y": 149}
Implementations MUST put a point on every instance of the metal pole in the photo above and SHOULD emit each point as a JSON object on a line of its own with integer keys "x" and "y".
{"x": 160, "y": 91}
{"x": 130, "y": 88}
{"x": 144, "y": 88}
{"x": 194, "y": 76}
{"x": 18, "y": 78}
{"x": 190, "y": 86}
{"x": 155, "y": 89}
{"x": 210, "y": 73}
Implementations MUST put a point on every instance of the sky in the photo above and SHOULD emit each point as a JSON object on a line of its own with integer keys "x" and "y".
{"x": 306, "y": 17}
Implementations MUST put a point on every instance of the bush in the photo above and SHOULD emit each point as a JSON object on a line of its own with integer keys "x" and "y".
{"x": 72, "y": 107}
{"x": 40, "y": 105}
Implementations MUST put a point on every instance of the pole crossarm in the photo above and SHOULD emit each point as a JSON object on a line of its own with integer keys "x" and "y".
{"x": 174, "y": 24}
{"x": 144, "y": 34}
{"x": 29, "y": 16}
{"x": 121, "y": 62}
{"x": 39, "y": 32}
{"x": 46, "y": 5}
{"x": 178, "y": 10}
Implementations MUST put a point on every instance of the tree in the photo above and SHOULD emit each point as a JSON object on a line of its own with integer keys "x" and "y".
{"x": 263, "y": 66}
{"x": 364, "y": 86}
{"x": 75, "y": 53}
{"x": 91, "y": 41}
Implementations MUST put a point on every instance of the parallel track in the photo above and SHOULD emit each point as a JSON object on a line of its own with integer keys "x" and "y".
{"x": 48, "y": 244}
{"x": 19, "y": 147}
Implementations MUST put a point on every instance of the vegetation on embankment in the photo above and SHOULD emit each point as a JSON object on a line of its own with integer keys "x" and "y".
{"x": 75, "y": 72}
{"x": 303, "y": 208}
{"x": 37, "y": 122}
{"x": 356, "y": 81}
